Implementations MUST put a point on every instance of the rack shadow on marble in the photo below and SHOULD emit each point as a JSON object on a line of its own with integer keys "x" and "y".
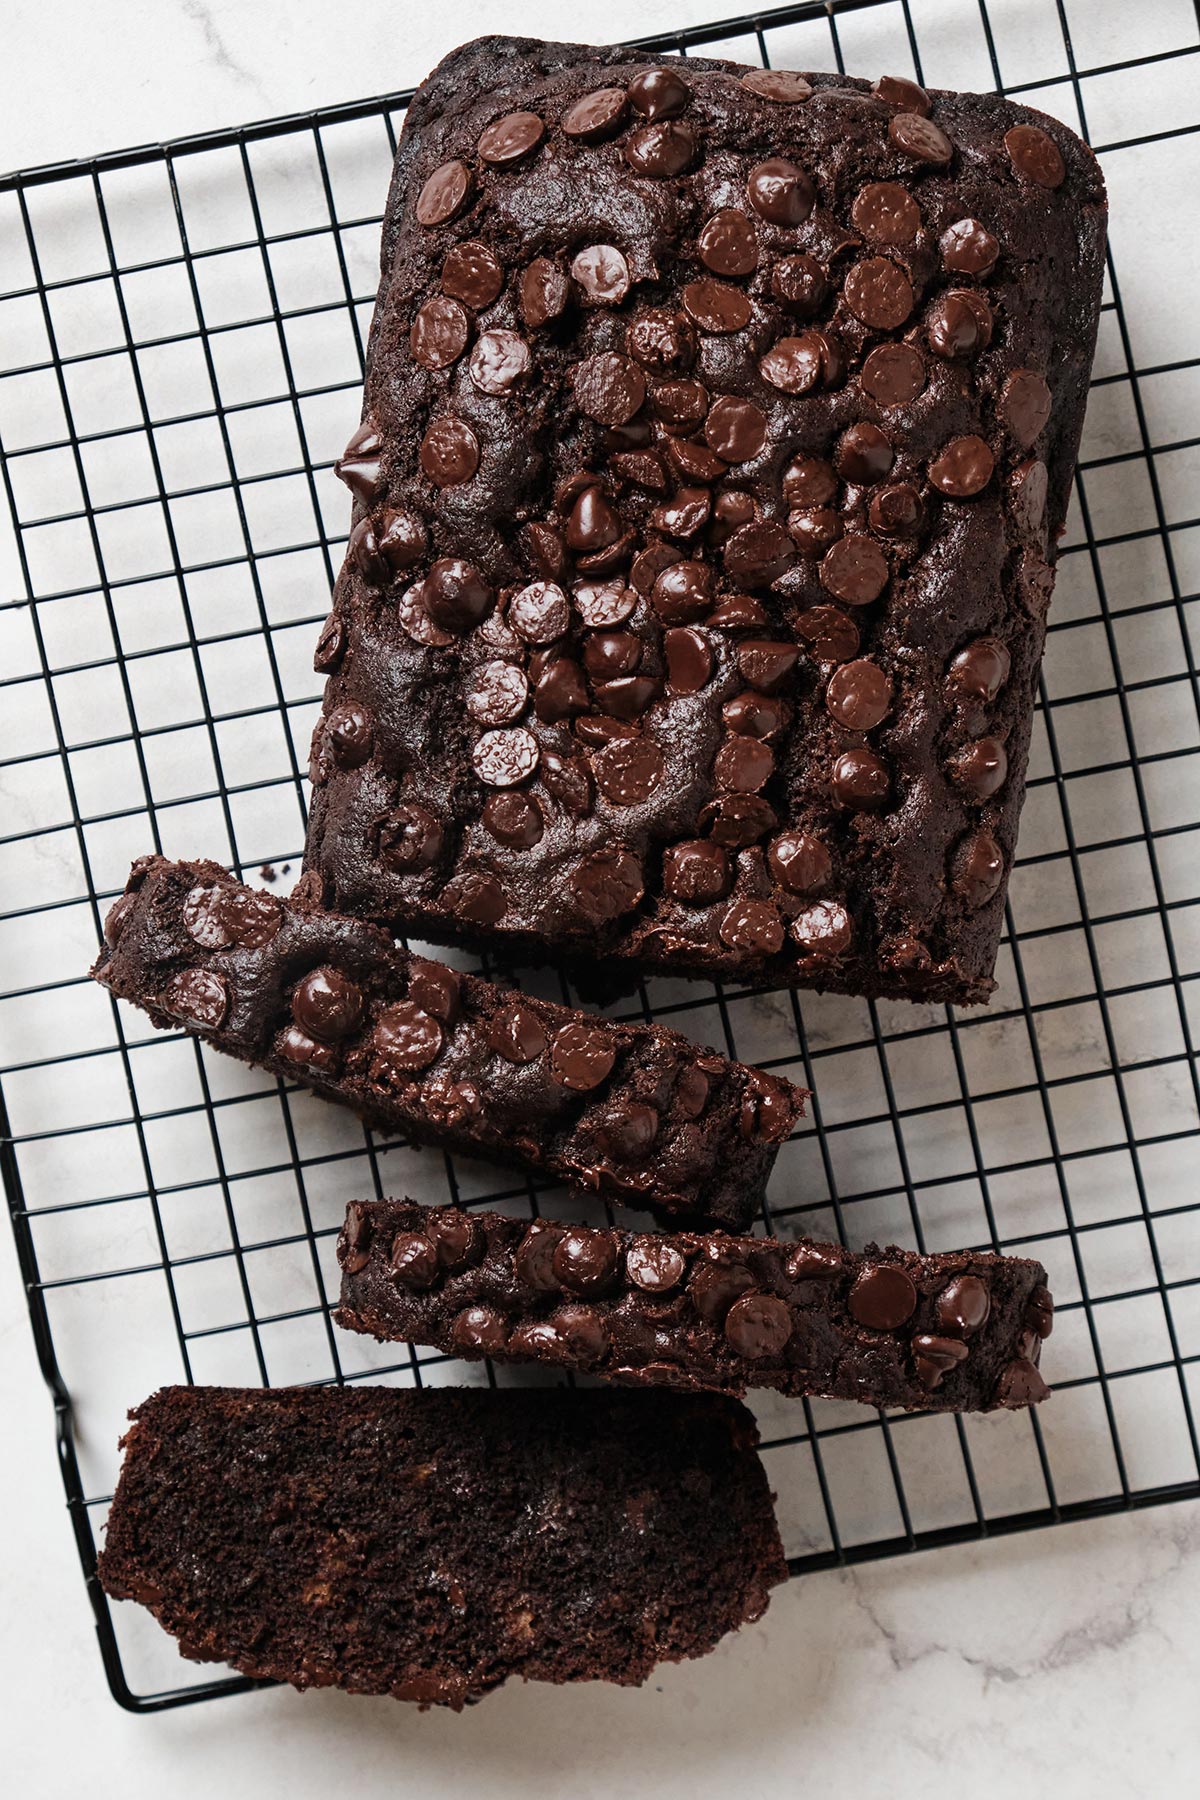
{"x": 85, "y": 652}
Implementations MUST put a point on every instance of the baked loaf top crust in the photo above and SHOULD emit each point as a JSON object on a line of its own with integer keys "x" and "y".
{"x": 718, "y": 426}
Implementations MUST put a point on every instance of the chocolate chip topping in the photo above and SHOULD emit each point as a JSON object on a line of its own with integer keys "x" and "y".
{"x": 893, "y": 374}
{"x": 780, "y": 192}
{"x": 885, "y": 211}
{"x": 406, "y": 1038}
{"x": 444, "y": 194}
{"x": 439, "y": 333}
{"x": 1034, "y": 154}
{"x": 327, "y": 1005}
{"x": 414, "y": 1260}
{"x": 661, "y": 150}
{"x": 758, "y": 1325}
{"x": 200, "y": 997}
{"x": 609, "y": 388}
{"x": 968, "y": 248}
{"x": 919, "y": 139}
{"x": 981, "y": 668}
{"x": 896, "y": 90}
{"x": 978, "y": 869}
{"x": 1025, "y": 406}
{"x": 449, "y": 452}
{"x": 715, "y": 307}
{"x": 781, "y": 85}
{"x": 516, "y": 1033}
{"x": 860, "y": 780}
{"x": 595, "y": 116}
{"x": 823, "y": 931}
{"x": 602, "y": 275}
{"x": 963, "y": 1305}
{"x": 654, "y": 1265}
{"x": 728, "y": 243}
{"x": 470, "y": 273}
{"x": 509, "y": 139}
{"x": 963, "y": 469}
{"x": 659, "y": 93}
{"x": 879, "y": 293}
{"x": 544, "y": 292}
{"x": 582, "y": 1056}
{"x": 883, "y": 1297}
{"x": 499, "y": 362}
{"x": 980, "y": 768}
{"x": 585, "y": 1261}
{"x": 697, "y": 872}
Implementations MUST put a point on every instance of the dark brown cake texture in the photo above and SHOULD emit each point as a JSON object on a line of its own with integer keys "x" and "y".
{"x": 633, "y": 1112}
{"x": 951, "y": 1333}
{"x": 429, "y": 1544}
{"x": 718, "y": 429}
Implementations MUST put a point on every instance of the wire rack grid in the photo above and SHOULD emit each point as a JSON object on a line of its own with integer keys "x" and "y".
{"x": 181, "y": 345}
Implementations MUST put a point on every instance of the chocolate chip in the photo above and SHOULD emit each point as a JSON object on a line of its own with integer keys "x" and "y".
{"x": 331, "y": 646}
{"x": 895, "y": 90}
{"x": 581, "y": 1331}
{"x": 715, "y": 307}
{"x": 434, "y": 988}
{"x": 661, "y": 340}
{"x": 499, "y": 362}
{"x": 602, "y": 273}
{"x": 508, "y": 139}
{"x": 860, "y": 780}
{"x": 200, "y": 997}
{"x": 1039, "y": 1313}
{"x": 855, "y": 570}
{"x": 682, "y": 404}
{"x": 955, "y": 325}
{"x": 504, "y": 759}
{"x": 980, "y": 767}
{"x": 1034, "y": 154}
{"x": 363, "y": 548}
{"x": 627, "y": 1133}
{"x": 800, "y": 862}
{"x": 896, "y": 511}
{"x": 629, "y": 769}
{"x": 457, "y": 1238}
{"x": 882, "y": 1298}
{"x": 1020, "y": 1385}
{"x": 477, "y": 898}
{"x": 661, "y": 150}
{"x": 654, "y": 1265}
{"x": 813, "y": 1262}
{"x": 963, "y": 1305}
{"x": 1025, "y": 406}
{"x": 737, "y": 820}
{"x": 781, "y": 85}
{"x": 823, "y": 930}
{"x": 582, "y": 1056}
{"x": 798, "y": 282}
{"x": 779, "y": 192}
{"x": 934, "y": 1357}
{"x": 607, "y": 884}
{"x": 793, "y": 364}
{"x": 219, "y": 916}
{"x": 539, "y": 613}
{"x": 498, "y": 694}
{"x": 714, "y": 1286}
{"x": 449, "y": 452}
{"x": 471, "y": 274}
{"x": 534, "y": 1259}
{"x": 968, "y": 248}
{"x": 834, "y": 637}
{"x": 626, "y": 697}
{"x": 609, "y": 388}
{"x": 859, "y": 695}
{"x": 479, "y": 1330}
{"x": 682, "y": 591}
{"x": 753, "y": 926}
{"x": 444, "y": 193}
{"x": 350, "y": 731}
{"x": 766, "y": 664}
{"x": 758, "y": 554}
{"x": 696, "y": 872}
{"x": 354, "y": 1239}
{"x": 659, "y": 93}
{"x": 413, "y": 1260}
{"x": 607, "y": 654}
{"x": 814, "y": 532}
{"x": 691, "y": 1091}
{"x": 359, "y": 465}
{"x": 689, "y": 660}
{"x": 879, "y": 293}
{"x": 978, "y": 869}
{"x": 596, "y": 116}
{"x": 735, "y": 428}
{"x": 893, "y": 374}
{"x": 743, "y": 765}
{"x": 514, "y": 819}
{"x": 863, "y": 456}
{"x": 1029, "y": 487}
{"x": 963, "y": 469}
{"x": 751, "y": 714}
{"x": 456, "y": 596}
{"x": 887, "y": 212}
{"x": 585, "y": 1261}
{"x": 560, "y": 692}
{"x": 758, "y": 1326}
{"x": 412, "y": 615}
{"x": 439, "y": 333}
{"x": 406, "y": 1039}
{"x": 516, "y": 1033}
{"x": 327, "y": 1004}
{"x": 402, "y": 538}
{"x": 728, "y": 243}
{"x": 544, "y": 292}
{"x": 410, "y": 838}
{"x": 684, "y": 515}
{"x": 919, "y": 139}
{"x": 739, "y": 612}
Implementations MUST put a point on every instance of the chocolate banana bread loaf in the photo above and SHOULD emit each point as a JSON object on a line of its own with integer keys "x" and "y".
{"x": 953, "y": 1332}
{"x": 429, "y": 1544}
{"x": 719, "y": 426}
{"x": 634, "y": 1112}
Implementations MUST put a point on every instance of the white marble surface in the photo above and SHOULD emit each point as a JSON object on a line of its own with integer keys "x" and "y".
{"x": 1059, "y": 1663}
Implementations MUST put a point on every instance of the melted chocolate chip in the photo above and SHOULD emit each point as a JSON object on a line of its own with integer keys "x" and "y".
{"x": 659, "y": 93}
{"x": 534, "y": 1259}
{"x": 855, "y": 570}
{"x": 735, "y": 428}
{"x": 199, "y": 997}
{"x": 780, "y": 192}
{"x": 919, "y": 139}
{"x": 895, "y": 90}
{"x": 896, "y": 511}
{"x": 449, "y": 452}
{"x": 798, "y": 282}
{"x": 607, "y": 884}
{"x": 715, "y": 1285}
{"x": 968, "y": 248}
{"x": 439, "y": 333}
{"x": 509, "y": 139}
{"x": 629, "y": 769}
{"x": 800, "y": 862}
{"x": 879, "y": 292}
{"x": 654, "y": 1265}
{"x": 596, "y": 116}
{"x": 434, "y": 988}
{"x": 582, "y": 1056}
{"x": 350, "y": 732}
{"x": 863, "y": 455}
{"x": 963, "y": 1305}
{"x": 758, "y": 1326}
{"x": 410, "y": 838}
{"x": 934, "y": 1357}
{"x": 406, "y": 1038}
{"x": 716, "y": 308}
{"x": 413, "y": 1260}
{"x": 783, "y": 86}
{"x": 331, "y": 646}
{"x": 980, "y": 768}
{"x": 963, "y": 469}
{"x": 859, "y": 695}
{"x": 893, "y": 374}
{"x": 823, "y": 930}
{"x": 728, "y": 243}
{"x": 359, "y": 465}
{"x": 513, "y": 819}
{"x": 500, "y": 362}
{"x": 793, "y": 364}
{"x": 498, "y": 694}
{"x": 544, "y": 292}
{"x": 886, "y": 212}
{"x": 661, "y": 150}
{"x": 1034, "y": 154}
{"x": 758, "y": 554}
{"x": 978, "y": 869}
{"x": 689, "y": 660}
{"x": 479, "y": 1331}
{"x": 767, "y": 664}
{"x": 218, "y": 916}
{"x": 444, "y": 194}
{"x": 628, "y": 1131}
{"x": 1025, "y": 406}
{"x": 753, "y": 926}
{"x": 833, "y": 636}
{"x": 327, "y": 1005}
{"x": 860, "y": 780}
{"x": 882, "y": 1298}
{"x": 471, "y": 274}
{"x": 609, "y": 388}
{"x": 697, "y": 872}
{"x": 602, "y": 275}
{"x": 585, "y": 1261}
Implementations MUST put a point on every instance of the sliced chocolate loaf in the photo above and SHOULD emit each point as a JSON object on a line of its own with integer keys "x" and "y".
{"x": 429, "y": 1544}
{"x": 954, "y": 1332}
{"x": 634, "y": 1112}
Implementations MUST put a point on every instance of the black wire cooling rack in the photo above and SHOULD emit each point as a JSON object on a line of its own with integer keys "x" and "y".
{"x": 181, "y": 338}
